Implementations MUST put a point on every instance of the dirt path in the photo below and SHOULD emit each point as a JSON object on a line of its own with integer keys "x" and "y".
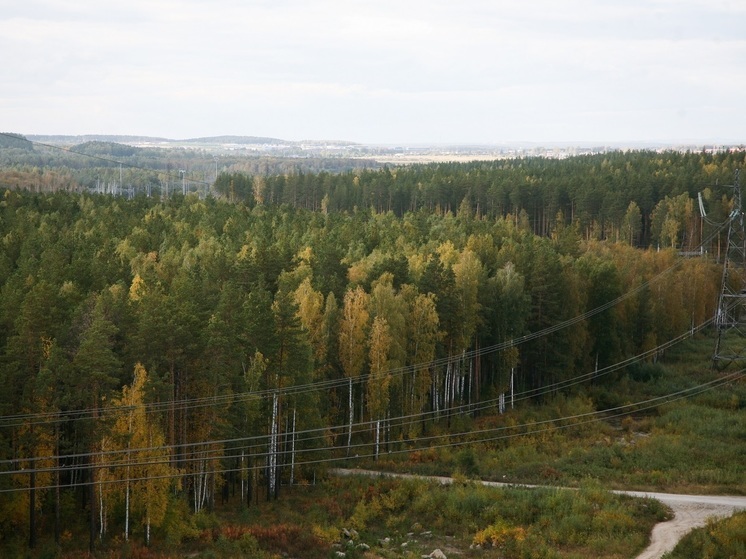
{"x": 690, "y": 511}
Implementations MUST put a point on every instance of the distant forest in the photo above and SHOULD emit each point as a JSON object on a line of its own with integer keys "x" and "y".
{"x": 158, "y": 352}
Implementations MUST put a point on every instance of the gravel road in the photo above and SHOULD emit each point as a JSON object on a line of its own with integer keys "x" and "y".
{"x": 690, "y": 511}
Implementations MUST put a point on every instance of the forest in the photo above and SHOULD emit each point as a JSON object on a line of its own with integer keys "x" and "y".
{"x": 167, "y": 355}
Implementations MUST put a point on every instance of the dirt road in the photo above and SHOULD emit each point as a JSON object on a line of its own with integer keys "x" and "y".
{"x": 690, "y": 511}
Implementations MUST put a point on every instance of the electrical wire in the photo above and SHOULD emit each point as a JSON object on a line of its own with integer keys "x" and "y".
{"x": 260, "y": 441}
{"x": 40, "y": 418}
{"x": 489, "y": 436}
{"x": 325, "y": 385}
{"x": 180, "y": 405}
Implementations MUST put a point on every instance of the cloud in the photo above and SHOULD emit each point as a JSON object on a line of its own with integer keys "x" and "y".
{"x": 373, "y": 70}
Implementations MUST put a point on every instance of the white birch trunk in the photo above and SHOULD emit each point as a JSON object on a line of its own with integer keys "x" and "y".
{"x": 447, "y": 387}
{"x": 127, "y": 508}
{"x": 471, "y": 381}
{"x": 378, "y": 436}
{"x": 205, "y": 477}
{"x": 273, "y": 447}
{"x": 292, "y": 452}
{"x": 243, "y": 476}
{"x": 352, "y": 413}
{"x": 101, "y": 516}
{"x": 512, "y": 390}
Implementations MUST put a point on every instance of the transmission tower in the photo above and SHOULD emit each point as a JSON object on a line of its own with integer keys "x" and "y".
{"x": 730, "y": 317}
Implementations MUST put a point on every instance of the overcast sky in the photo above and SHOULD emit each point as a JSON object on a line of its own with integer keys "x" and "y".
{"x": 399, "y": 71}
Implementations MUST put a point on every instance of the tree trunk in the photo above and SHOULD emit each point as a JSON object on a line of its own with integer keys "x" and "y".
{"x": 272, "y": 459}
{"x": 292, "y": 452}
{"x": 378, "y": 436}
{"x": 352, "y": 413}
{"x": 127, "y": 507}
{"x": 92, "y": 507}
{"x": 32, "y": 508}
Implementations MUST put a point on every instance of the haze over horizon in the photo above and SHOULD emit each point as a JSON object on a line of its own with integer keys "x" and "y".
{"x": 477, "y": 72}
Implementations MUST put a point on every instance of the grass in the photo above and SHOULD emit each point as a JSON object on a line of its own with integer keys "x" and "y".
{"x": 691, "y": 445}
{"x": 720, "y": 539}
{"x": 408, "y": 518}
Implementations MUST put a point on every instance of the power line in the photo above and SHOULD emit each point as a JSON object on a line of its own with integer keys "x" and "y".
{"x": 400, "y": 421}
{"x": 487, "y": 435}
{"x": 81, "y": 414}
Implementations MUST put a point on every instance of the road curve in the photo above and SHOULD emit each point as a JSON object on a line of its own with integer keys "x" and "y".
{"x": 690, "y": 511}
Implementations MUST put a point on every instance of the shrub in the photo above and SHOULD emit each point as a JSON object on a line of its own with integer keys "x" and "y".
{"x": 500, "y": 535}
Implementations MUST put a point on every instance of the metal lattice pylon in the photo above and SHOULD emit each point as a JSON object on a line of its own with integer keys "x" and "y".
{"x": 730, "y": 317}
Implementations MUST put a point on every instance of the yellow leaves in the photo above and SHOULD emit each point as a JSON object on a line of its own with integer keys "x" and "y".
{"x": 258, "y": 365}
{"x": 46, "y": 346}
{"x": 448, "y": 254}
{"x": 259, "y": 189}
{"x": 244, "y": 253}
{"x": 353, "y": 331}
{"x": 380, "y": 374}
{"x": 311, "y": 314}
{"x": 358, "y": 272}
{"x": 140, "y": 459}
{"x": 68, "y": 289}
{"x": 305, "y": 255}
{"x": 417, "y": 264}
{"x": 499, "y": 535}
{"x": 137, "y": 289}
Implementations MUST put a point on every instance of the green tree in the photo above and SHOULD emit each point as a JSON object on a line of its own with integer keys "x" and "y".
{"x": 632, "y": 225}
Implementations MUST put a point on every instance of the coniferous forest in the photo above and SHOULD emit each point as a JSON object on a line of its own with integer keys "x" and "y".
{"x": 164, "y": 356}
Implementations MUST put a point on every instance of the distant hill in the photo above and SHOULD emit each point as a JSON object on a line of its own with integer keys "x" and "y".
{"x": 235, "y": 140}
{"x": 76, "y": 140}
{"x": 119, "y": 139}
{"x": 106, "y": 148}
{"x": 73, "y": 140}
{"x": 12, "y": 140}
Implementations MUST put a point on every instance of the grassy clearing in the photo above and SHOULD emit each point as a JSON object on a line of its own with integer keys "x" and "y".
{"x": 406, "y": 518}
{"x": 391, "y": 518}
{"x": 692, "y": 445}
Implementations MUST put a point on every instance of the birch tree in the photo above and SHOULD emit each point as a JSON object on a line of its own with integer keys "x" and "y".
{"x": 352, "y": 337}
{"x": 379, "y": 380}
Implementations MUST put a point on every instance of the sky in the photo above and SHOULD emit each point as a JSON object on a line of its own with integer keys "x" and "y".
{"x": 381, "y": 72}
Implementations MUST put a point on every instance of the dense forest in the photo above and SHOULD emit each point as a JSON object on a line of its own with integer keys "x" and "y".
{"x": 160, "y": 354}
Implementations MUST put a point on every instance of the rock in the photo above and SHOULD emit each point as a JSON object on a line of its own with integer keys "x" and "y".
{"x": 437, "y": 554}
{"x": 340, "y": 554}
{"x": 350, "y": 534}
{"x": 363, "y": 547}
